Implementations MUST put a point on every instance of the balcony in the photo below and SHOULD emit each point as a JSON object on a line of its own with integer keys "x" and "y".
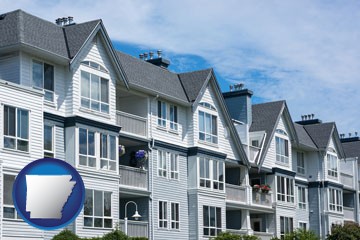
{"x": 347, "y": 180}
{"x": 131, "y": 177}
{"x": 236, "y": 193}
{"x": 135, "y": 228}
{"x": 262, "y": 199}
{"x": 349, "y": 214}
{"x": 132, "y": 124}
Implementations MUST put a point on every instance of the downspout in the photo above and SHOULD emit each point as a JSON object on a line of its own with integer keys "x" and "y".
{"x": 356, "y": 184}
{"x": 322, "y": 198}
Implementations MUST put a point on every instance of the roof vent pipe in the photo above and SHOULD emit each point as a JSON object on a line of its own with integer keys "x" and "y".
{"x": 356, "y": 134}
{"x": 159, "y": 53}
{"x": 145, "y": 56}
{"x": 70, "y": 20}
{"x": 151, "y": 54}
{"x": 64, "y": 20}
{"x": 58, "y": 21}
{"x": 141, "y": 56}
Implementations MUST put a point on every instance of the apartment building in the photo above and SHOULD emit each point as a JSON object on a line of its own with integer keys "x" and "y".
{"x": 189, "y": 159}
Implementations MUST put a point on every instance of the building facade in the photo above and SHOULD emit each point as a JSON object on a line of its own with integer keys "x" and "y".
{"x": 193, "y": 161}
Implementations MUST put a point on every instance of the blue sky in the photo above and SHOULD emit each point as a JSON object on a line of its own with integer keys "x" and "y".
{"x": 306, "y": 52}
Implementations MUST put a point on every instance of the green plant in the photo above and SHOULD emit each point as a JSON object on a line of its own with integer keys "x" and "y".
{"x": 274, "y": 238}
{"x": 349, "y": 231}
{"x": 232, "y": 236}
{"x": 138, "y": 238}
{"x": 66, "y": 235}
{"x": 115, "y": 235}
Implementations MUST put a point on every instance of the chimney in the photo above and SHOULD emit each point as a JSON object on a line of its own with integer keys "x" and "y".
{"x": 238, "y": 101}
{"x": 308, "y": 119}
{"x": 159, "y": 61}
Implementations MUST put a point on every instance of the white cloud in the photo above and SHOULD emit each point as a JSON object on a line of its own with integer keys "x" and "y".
{"x": 306, "y": 52}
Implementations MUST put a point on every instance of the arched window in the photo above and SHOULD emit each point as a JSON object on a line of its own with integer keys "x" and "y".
{"x": 94, "y": 65}
{"x": 280, "y": 131}
{"x": 207, "y": 105}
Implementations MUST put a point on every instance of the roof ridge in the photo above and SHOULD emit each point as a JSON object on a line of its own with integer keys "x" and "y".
{"x": 277, "y": 101}
{"x": 201, "y": 70}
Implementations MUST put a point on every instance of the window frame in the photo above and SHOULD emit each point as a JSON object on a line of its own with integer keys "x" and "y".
{"x": 282, "y": 143}
{"x": 333, "y": 173}
{"x": 282, "y": 192}
{"x": 109, "y": 161}
{"x": 161, "y": 114}
{"x": 49, "y": 93}
{"x": 204, "y": 135}
{"x": 174, "y": 172}
{"x": 302, "y": 196}
{"x": 161, "y": 162}
{"x": 300, "y": 163}
{"x": 207, "y": 179}
{"x": 302, "y": 225}
{"x": 335, "y": 200}
{"x": 89, "y": 98}
{"x": 207, "y": 226}
{"x": 87, "y": 156}
{"x": 173, "y": 117}
{"x": 6, "y": 205}
{"x": 163, "y": 221}
{"x": 175, "y": 220}
{"x": 286, "y": 226}
{"x": 16, "y": 138}
{"x": 93, "y": 216}
{"x": 50, "y": 153}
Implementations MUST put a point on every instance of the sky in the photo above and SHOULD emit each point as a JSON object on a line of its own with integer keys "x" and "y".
{"x": 305, "y": 52}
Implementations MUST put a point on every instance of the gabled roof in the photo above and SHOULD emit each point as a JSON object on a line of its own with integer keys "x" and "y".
{"x": 265, "y": 117}
{"x": 193, "y": 82}
{"x": 321, "y": 135}
{"x": 304, "y": 138}
{"x": 352, "y": 149}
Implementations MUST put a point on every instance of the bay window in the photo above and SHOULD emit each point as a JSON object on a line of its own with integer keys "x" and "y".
{"x": 108, "y": 152}
{"x": 16, "y": 128}
{"x": 285, "y": 189}
{"x": 211, "y": 174}
{"x": 87, "y": 148}
{"x": 335, "y": 200}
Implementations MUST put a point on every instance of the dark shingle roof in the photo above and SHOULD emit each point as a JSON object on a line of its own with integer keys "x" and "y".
{"x": 320, "y": 133}
{"x": 352, "y": 149}
{"x": 304, "y": 138}
{"x": 265, "y": 116}
{"x": 193, "y": 82}
{"x": 23, "y": 28}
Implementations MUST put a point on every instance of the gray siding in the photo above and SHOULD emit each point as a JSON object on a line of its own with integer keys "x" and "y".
{"x": 314, "y": 221}
{"x": 240, "y": 108}
{"x": 10, "y": 68}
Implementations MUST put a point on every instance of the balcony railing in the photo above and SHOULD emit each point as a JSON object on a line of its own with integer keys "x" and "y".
{"x": 349, "y": 213}
{"x": 253, "y": 153}
{"x": 347, "y": 180}
{"x": 264, "y": 235}
{"x": 236, "y": 193}
{"x": 260, "y": 198}
{"x": 135, "y": 228}
{"x": 132, "y": 124}
{"x": 133, "y": 177}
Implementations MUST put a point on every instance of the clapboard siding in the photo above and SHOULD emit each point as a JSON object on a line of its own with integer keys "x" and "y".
{"x": 225, "y": 142}
{"x": 166, "y": 189}
{"x": 302, "y": 215}
{"x": 95, "y": 51}
{"x": 193, "y": 216}
{"x": 10, "y": 68}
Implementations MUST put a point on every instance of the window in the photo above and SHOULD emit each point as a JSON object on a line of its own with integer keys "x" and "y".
{"x": 8, "y": 207}
{"x": 211, "y": 220}
{"x": 211, "y": 174}
{"x": 162, "y": 164}
{"x": 285, "y": 189}
{"x": 162, "y": 114}
{"x": 175, "y": 217}
{"x": 16, "y": 128}
{"x": 173, "y": 118}
{"x": 108, "y": 152}
{"x": 43, "y": 77}
{"x": 87, "y": 148}
{"x": 94, "y": 65}
{"x": 255, "y": 143}
{"x": 286, "y": 226}
{"x": 174, "y": 166}
{"x": 218, "y": 175}
{"x": 48, "y": 141}
{"x": 207, "y": 105}
{"x": 332, "y": 165}
{"x": 300, "y": 163}
{"x": 208, "y": 127}
{"x": 94, "y": 92}
{"x": 163, "y": 220}
{"x": 335, "y": 200}
{"x": 303, "y": 225}
{"x": 302, "y": 197}
{"x": 282, "y": 150}
{"x": 97, "y": 209}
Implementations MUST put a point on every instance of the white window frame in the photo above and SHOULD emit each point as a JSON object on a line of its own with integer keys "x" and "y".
{"x": 302, "y": 197}
{"x": 335, "y": 200}
{"x": 163, "y": 221}
{"x": 300, "y": 163}
{"x": 207, "y": 134}
{"x": 162, "y": 164}
{"x": 286, "y": 226}
{"x": 174, "y": 166}
{"x": 302, "y": 224}
{"x": 103, "y": 217}
{"x": 102, "y": 104}
{"x": 161, "y": 113}
{"x": 111, "y": 163}
{"x": 285, "y": 194}
{"x": 282, "y": 144}
{"x": 175, "y": 220}
{"x": 87, "y": 156}
{"x": 9, "y": 206}
{"x": 208, "y": 227}
{"x": 47, "y": 152}
{"x": 330, "y": 159}
{"x": 209, "y": 180}
{"x": 17, "y": 138}
{"x": 49, "y": 94}
{"x": 173, "y": 118}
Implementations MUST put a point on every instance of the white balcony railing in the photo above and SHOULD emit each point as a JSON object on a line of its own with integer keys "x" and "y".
{"x": 132, "y": 124}
{"x": 347, "y": 180}
{"x": 236, "y": 193}
{"x": 135, "y": 228}
{"x": 133, "y": 177}
{"x": 262, "y": 199}
{"x": 349, "y": 213}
